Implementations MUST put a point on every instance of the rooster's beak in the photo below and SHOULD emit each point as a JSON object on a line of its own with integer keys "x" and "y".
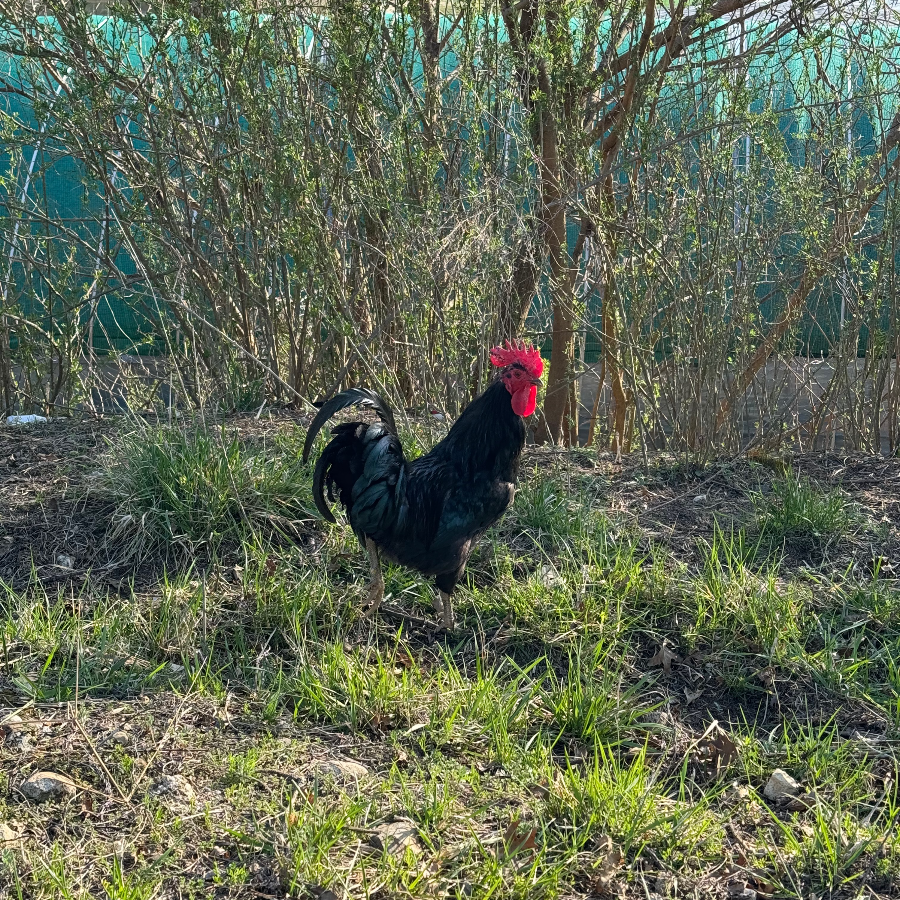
{"x": 537, "y": 382}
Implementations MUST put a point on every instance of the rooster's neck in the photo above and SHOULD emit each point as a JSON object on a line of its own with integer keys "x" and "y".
{"x": 488, "y": 434}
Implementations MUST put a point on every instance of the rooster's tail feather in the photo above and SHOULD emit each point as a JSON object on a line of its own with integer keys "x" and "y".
{"x": 322, "y": 466}
{"x": 335, "y": 465}
{"x": 351, "y": 397}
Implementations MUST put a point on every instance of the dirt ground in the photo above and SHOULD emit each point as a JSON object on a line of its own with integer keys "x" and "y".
{"x": 49, "y": 513}
{"x": 124, "y": 745}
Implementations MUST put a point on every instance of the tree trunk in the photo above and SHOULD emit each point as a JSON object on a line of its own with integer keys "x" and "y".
{"x": 553, "y": 215}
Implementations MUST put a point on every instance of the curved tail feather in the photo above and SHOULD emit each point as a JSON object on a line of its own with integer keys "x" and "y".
{"x": 351, "y": 397}
{"x": 322, "y": 466}
{"x": 339, "y": 463}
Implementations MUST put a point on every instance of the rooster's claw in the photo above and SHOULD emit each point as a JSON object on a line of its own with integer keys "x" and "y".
{"x": 374, "y": 597}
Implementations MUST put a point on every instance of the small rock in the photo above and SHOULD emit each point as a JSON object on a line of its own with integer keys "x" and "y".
{"x": 8, "y": 835}
{"x": 740, "y": 891}
{"x": 120, "y": 737}
{"x": 65, "y": 561}
{"x": 175, "y": 787}
{"x": 15, "y": 733}
{"x": 48, "y": 786}
{"x": 324, "y": 894}
{"x": 396, "y": 838}
{"x": 798, "y": 804}
{"x": 700, "y": 498}
{"x": 18, "y": 740}
{"x": 781, "y": 786}
{"x": 340, "y": 769}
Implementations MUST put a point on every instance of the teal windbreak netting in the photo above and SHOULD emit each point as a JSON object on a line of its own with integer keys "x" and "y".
{"x": 868, "y": 99}
{"x": 72, "y": 216}
{"x": 782, "y": 83}
{"x": 46, "y": 199}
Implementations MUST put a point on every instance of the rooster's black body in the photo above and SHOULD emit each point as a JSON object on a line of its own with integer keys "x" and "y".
{"x": 426, "y": 514}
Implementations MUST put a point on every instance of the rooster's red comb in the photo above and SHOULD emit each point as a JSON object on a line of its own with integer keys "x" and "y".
{"x": 519, "y": 352}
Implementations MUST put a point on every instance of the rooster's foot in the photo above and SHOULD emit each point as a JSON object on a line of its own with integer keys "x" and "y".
{"x": 374, "y": 596}
{"x": 443, "y": 606}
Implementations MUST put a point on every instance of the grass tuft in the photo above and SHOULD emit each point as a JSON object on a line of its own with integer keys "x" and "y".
{"x": 798, "y": 511}
{"x": 185, "y": 491}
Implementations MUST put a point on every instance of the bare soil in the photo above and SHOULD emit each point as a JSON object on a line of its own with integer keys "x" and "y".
{"x": 53, "y": 530}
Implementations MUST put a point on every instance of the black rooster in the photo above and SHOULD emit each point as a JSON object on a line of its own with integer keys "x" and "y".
{"x": 428, "y": 514}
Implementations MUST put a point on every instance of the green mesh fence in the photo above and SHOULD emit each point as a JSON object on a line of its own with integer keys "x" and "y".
{"x": 122, "y": 315}
{"x": 72, "y": 216}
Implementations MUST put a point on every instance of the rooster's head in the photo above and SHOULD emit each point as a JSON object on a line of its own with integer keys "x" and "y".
{"x": 522, "y": 369}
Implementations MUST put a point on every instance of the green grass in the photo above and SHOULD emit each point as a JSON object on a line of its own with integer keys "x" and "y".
{"x": 187, "y": 490}
{"x": 538, "y": 752}
{"x": 797, "y": 510}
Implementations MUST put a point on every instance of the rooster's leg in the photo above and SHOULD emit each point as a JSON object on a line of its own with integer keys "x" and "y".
{"x": 376, "y": 583}
{"x": 443, "y": 606}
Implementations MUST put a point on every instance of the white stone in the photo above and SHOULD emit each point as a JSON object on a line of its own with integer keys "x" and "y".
{"x": 7, "y": 834}
{"x": 175, "y": 787}
{"x": 781, "y": 786}
{"x": 48, "y": 786}
{"x": 340, "y": 769}
{"x": 396, "y": 838}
